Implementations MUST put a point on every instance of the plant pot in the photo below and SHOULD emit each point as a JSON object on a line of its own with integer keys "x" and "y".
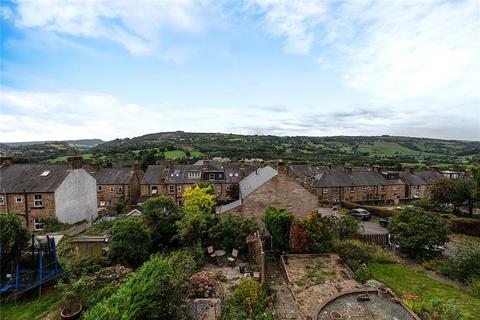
{"x": 335, "y": 315}
{"x": 71, "y": 313}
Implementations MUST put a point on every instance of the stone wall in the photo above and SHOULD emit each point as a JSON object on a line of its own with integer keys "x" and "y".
{"x": 279, "y": 192}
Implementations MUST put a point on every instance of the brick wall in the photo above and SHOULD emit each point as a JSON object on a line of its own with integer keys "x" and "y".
{"x": 110, "y": 198}
{"x": 280, "y": 192}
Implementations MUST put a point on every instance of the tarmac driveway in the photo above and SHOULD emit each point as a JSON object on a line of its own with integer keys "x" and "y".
{"x": 370, "y": 227}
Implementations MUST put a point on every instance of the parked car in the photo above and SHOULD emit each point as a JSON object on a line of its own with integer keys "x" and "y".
{"x": 335, "y": 207}
{"x": 360, "y": 213}
{"x": 384, "y": 222}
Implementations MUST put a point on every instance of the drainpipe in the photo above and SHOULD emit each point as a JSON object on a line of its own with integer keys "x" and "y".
{"x": 5, "y": 201}
{"x": 26, "y": 206}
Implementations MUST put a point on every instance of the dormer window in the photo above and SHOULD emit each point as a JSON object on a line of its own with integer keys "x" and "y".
{"x": 45, "y": 173}
{"x": 211, "y": 176}
{"x": 194, "y": 174}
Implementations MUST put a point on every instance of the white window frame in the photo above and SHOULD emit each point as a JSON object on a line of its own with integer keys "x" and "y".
{"x": 171, "y": 189}
{"x": 112, "y": 189}
{"x": 220, "y": 176}
{"x": 153, "y": 190}
{"x": 219, "y": 189}
{"x": 37, "y": 225}
{"x": 19, "y": 198}
{"x": 119, "y": 189}
{"x": 102, "y": 203}
{"x": 352, "y": 189}
{"x": 37, "y": 202}
{"x": 337, "y": 189}
{"x": 99, "y": 189}
{"x": 179, "y": 189}
{"x": 383, "y": 188}
{"x": 394, "y": 188}
{"x": 2, "y": 201}
{"x": 210, "y": 175}
{"x": 325, "y": 190}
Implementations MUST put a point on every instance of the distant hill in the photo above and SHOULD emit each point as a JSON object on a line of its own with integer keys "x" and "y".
{"x": 388, "y": 151}
{"x": 82, "y": 143}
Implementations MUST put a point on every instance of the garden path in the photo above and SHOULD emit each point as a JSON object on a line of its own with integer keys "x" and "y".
{"x": 285, "y": 306}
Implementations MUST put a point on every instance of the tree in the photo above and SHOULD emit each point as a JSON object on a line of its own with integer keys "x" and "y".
{"x": 12, "y": 234}
{"x": 119, "y": 207}
{"x": 454, "y": 192}
{"x": 418, "y": 233}
{"x": 193, "y": 227}
{"x": 161, "y": 214}
{"x": 130, "y": 242}
{"x": 278, "y": 222}
{"x": 231, "y": 231}
{"x": 147, "y": 159}
{"x": 320, "y": 232}
{"x": 199, "y": 199}
{"x": 476, "y": 183}
{"x": 346, "y": 226}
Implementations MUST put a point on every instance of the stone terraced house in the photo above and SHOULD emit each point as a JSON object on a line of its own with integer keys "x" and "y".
{"x": 35, "y": 191}
{"x": 172, "y": 179}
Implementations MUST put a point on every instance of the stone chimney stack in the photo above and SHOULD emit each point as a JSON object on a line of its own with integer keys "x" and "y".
{"x": 348, "y": 168}
{"x": 410, "y": 170}
{"x": 281, "y": 168}
{"x": 434, "y": 167}
{"x": 242, "y": 169}
{"x": 205, "y": 165}
{"x": 377, "y": 168}
{"x": 136, "y": 166}
{"x": 94, "y": 166}
{"x": 75, "y": 162}
{"x": 168, "y": 164}
{"x": 109, "y": 163}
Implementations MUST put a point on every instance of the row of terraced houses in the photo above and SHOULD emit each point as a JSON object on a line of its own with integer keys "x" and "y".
{"x": 73, "y": 192}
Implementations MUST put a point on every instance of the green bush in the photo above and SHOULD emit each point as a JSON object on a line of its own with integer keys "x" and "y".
{"x": 161, "y": 214}
{"x": 193, "y": 227}
{"x": 231, "y": 231}
{"x": 474, "y": 287}
{"x": 130, "y": 242}
{"x": 374, "y": 210}
{"x": 346, "y": 226}
{"x": 278, "y": 222}
{"x": 464, "y": 266}
{"x": 418, "y": 233}
{"x": 73, "y": 268}
{"x": 362, "y": 274}
{"x": 249, "y": 300}
{"x": 12, "y": 233}
{"x": 320, "y": 232}
{"x": 464, "y": 225}
{"x": 436, "y": 310}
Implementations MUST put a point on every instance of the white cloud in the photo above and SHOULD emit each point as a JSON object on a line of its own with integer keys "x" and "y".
{"x": 293, "y": 19}
{"x": 134, "y": 25}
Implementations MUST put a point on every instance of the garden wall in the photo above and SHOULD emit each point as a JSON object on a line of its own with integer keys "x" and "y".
{"x": 256, "y": 253}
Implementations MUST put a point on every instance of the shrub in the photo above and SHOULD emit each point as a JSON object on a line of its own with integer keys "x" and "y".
{"x": 356, "y": 253}
{"x": 73, "y": 268}
{"x": 464, "y": 266}
{"x": 129, "y": 244}
{"x": 155, "y": 291}
{"x": 231, "y": 231}
{"x": 161, "y": 214}
{"x": 436, "y": 310}
{"x": 374, "y": 210}
{"x": 362, "y": 274}
{"x": 346, "y": 226}
{"x": 199, "y": 198}
{"x": 119, "y": 207}
{"x": 249, "y": 300}
{"x": 201, "y": 285}
{"x": 474, "y": 287}
{"x": 193, "y": 227}
{"x": 465, "y": 225}
{"x": 418, "y": 233}
{"x": 278, "y": 222}
{"x": 320, "y": 233}
{"x": 12, "y": 234}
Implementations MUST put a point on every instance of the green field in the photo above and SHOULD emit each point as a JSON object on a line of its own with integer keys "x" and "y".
{"x": 385, "y": 148}
{"x": 177, "y": 154}
{"x": 403, "y": 279}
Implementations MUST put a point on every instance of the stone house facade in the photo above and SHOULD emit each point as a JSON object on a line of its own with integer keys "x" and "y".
{"x": 172, "y": 180}
{"x": 117, "y": 185}
{"x": 268, "y": 187}
{"x": 36, "y": 191}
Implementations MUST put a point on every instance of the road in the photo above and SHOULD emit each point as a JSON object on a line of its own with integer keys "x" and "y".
{"x": 373, "y": 228}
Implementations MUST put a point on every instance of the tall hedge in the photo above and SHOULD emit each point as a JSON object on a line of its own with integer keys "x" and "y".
{"x": 278, "y": 222}
{"x": 376, "y": 211}
{"x": 464, "y": 225}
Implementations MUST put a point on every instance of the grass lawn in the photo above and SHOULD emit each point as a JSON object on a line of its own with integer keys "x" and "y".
{"x": 403, "y": 279}
{"x": 174, "y": 154}
{"x": 30, "y": 308}
{"x": 465, "y": 239}
{"x": 385, "y": 148}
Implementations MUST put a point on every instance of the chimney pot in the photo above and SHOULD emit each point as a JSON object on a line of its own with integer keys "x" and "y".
{"x": 7, "y": 161}
{"x": 75, "y": 162}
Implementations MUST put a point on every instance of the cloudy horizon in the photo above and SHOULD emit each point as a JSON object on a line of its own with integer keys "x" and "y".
{"x": 115, "y": 69}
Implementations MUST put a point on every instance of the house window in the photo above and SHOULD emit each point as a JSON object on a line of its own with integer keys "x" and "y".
{"x": 219, "y": 189}
{"x": 38, "y": 224}
{"x": 194, "y": 174}
{"x": 111, "y": 189}
{"x": 102, "y": 203}
{"x": 179, "y": 189}
{"x": 45, "y": 173}
{"x": 211, "y": 176}
{"x": 368, "y": 188}
{"x": 394, "y": 188}
{"x": 99, "y": 188}
{"x": 382, "y": 188}
{"x": 154, "y": 190}
{"x": 220, "y": 176}
{"x": 171, "y": 189}
{"x": 37, "y": 200}
{"x": 179, "y": 203}
{"x": 325, "y": 190}
{"x": 352, "y": 189}
{"x": 337, "y": 189}
{"x": 227, "y": 188}
{"x": 2, "y": 201}
{"x": 18, "y": 199}
{"x": 364, "y": 188}
{"x": 119, "y": 189}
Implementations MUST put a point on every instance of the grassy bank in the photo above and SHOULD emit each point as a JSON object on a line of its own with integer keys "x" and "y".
{"x": 31, "y": 307}
{"x": 405, "y": 280}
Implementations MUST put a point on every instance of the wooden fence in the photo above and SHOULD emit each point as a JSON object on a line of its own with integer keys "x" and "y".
{"x": 380, "y": 239}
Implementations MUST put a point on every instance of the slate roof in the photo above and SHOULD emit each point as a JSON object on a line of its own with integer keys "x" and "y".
{"x": 230, "y": 206}
{"x": 429, "y": 176}
{"x": 178, "y": 173}
{"x": 412, "y": 179}
{"x": 16, "y": 178}
{"x": 255, "y": 180}
{"x": 114, "y": 175}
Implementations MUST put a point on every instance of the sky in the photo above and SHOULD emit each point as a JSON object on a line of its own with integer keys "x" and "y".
{"x": 114, "y": 69}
